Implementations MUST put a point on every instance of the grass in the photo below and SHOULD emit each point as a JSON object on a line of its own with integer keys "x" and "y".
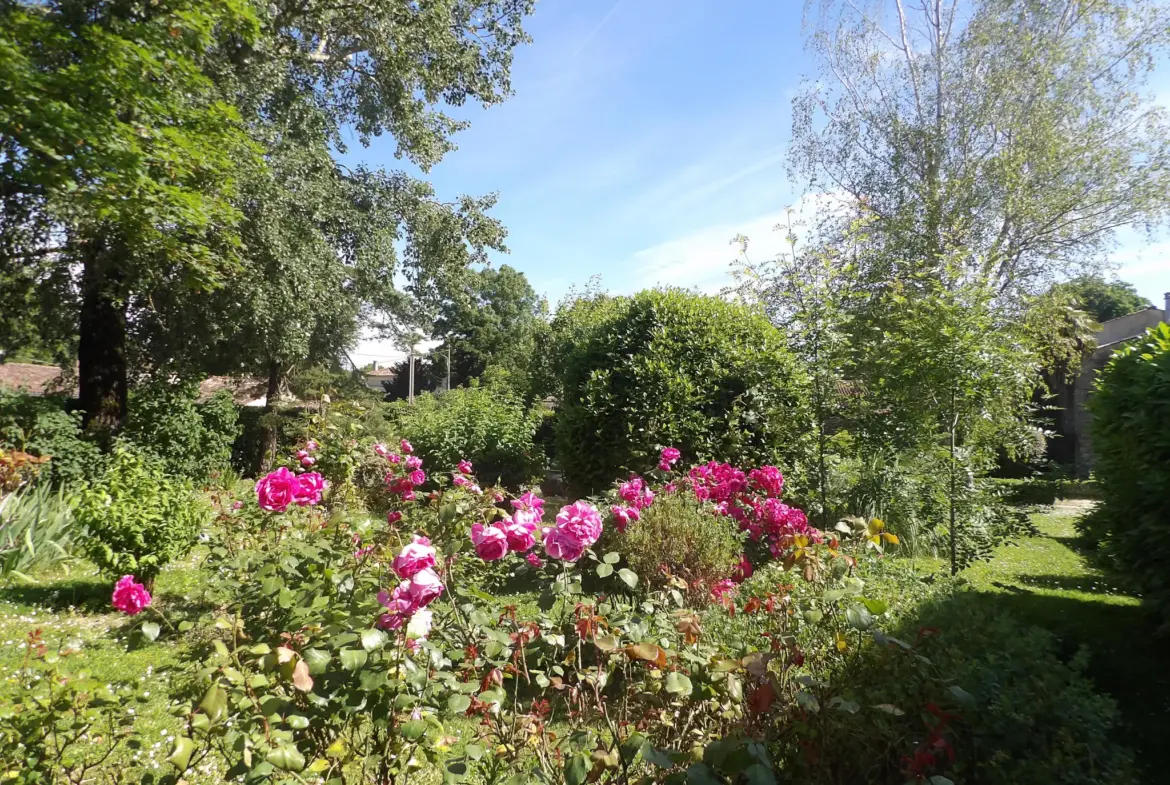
{"x": 1048, "y": 581}
{"x": 74, "y": 611}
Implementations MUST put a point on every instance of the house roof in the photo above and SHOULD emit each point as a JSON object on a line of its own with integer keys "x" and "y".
{"x": 36, "y": 379}
{"x": 33, "y": 378}
{"x": 381, "y": 372}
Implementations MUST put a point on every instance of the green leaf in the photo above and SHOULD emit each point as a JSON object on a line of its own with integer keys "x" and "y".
{"x": 853, "y": 586}
{"x": 701, "y": 774}
{"x": 214, "y": 703}
{"x": 317, "y": 660}
{"x": 859, "y": 617}
{"x": 455, "y": 771}
{"x": 876, "y": 607}
{"x": 297, "y": 721}
{"x": 151, "y": 630}
{"x": 812, "y": 615}
{"x": 632, "y": 747}
{"x": 613, "y": 557}
{"x": 832, "y": 595}
{"x": 678, "y": 684}
{"x": 457, "y": 704}
{"x": 660, "y": 758}
{"x": 413, "y": 730}
{"x": 604, "y": 570}
{"x": 373, "y": 639}
{"x": 474, "y": 751}
{"x": 180, "y": 756}
{"x": 759, "y": 774}
{"x": 629, "y": 577}
{"x": 352, "y": 659}
{"x": 576, "y": 770}
{"x": 287, "y": 758}
{"x": 735, "y": 687}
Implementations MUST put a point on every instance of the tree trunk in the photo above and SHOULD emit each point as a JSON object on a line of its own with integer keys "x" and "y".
{"x": 271, "y": 435}
{"x": 101, "y": 351}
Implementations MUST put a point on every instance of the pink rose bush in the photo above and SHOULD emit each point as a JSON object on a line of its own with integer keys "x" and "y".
{"x": 130, "y": 596}
{"x": 636, "y": 493}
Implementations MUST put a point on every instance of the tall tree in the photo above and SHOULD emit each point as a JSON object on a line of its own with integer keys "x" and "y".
{"x": 1013, "y": 132}
{"x": 492, "y": 319}
{"x": 1103, "y": 299}
{"x": 118, "y": 167}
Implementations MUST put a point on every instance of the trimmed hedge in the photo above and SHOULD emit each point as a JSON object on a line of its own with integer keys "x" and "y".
{"x": 1131, "y": 442}
{"x": 674, "y": 368}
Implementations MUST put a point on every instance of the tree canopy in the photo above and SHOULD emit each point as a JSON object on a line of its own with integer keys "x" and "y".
{"x": 1103, "y": 299}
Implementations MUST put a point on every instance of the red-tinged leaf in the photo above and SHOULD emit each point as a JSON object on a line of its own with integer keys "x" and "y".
{"x": 301, "y": 678}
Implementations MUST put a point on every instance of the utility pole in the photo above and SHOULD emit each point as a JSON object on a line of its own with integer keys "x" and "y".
{"x": 410, "y": 390}
{"x": 449, "y": 366}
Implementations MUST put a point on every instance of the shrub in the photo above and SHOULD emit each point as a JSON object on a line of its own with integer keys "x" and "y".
{"x": 686, "y": 537}
{"x": 674, "y": 368}
{"x": 138, "y": 518}
{"x": 992, "y": 702}
{"x": 487, "y": 425}
{"x": 192, "y": 440}
{"x": 1131, "y": 442}
{"x": 43, "y": 426}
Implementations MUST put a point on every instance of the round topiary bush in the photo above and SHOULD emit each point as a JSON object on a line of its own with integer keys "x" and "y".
{"x": 138, "y": 519}
{"x": 675, "y": 368}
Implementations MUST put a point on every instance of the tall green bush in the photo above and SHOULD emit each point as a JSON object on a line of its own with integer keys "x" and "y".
{"x": 193, "y": 440}
{"x": 674, "y": 368}
{"x": 488, "y": 425}
{"x": 44, "y": 426}
{"x": 138, "y": 518}
{"x": 1131, "y": 442}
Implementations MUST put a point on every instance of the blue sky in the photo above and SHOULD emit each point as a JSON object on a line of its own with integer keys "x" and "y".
{"x": 643, "y": 135}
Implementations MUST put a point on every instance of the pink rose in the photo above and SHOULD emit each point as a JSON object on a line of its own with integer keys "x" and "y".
{"x": 743, "y": 570}
{"x": 425, "y": 586}
{"x": 418, "y": 477}
{"x": 237, "y": 505}
{"x": 530, "y": 517}
{"x": 309, "y": 489}
{"x": 393, "y": 517}
{"x": 302, "y": 454}
{"x": 624, "y": 516}
{"x": 465, "y": 466}
{"x": 407, "y": 447}
{"x": 414, "y": 557}
{"x": 394, "y": 458}
{"x": 308, "y": 461}
{"x": 630, "y": 490}
{"x": 277, "y": 490}
{"x": 768, "y": 479}
{"x": 498, "y": 497}
{"x": 130, "y": 596}
{"x": 670, "y": 455}
{"x": 519, "y": 532}
{"x": 534, "y": 560}
{"x": 312, "y": 446}
{"x": 563, "y": 546}
{"x": 491, "y": 542}
{"x": 529, "y": 501}
{"x": 580, "y": 520}
{"x": 413, "y": 462}
{"x": 381, "y": 451}
{"x": 722, "y": 589}
{"x": 474, "y": 488}
{"x": 460, "y": 480}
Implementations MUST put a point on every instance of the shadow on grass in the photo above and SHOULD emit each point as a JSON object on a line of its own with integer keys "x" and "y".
{"x": 1126, "y": 661}
{"x": 1090, "y": 584}
{"x": 88, "y": 594}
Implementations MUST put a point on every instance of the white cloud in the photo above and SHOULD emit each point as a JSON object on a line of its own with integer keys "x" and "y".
{"x": 702, "y": 259}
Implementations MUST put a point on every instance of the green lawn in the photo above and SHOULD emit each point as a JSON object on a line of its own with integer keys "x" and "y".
{"x": 1048, "y": 581}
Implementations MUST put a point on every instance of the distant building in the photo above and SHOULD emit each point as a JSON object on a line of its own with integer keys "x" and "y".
{"x": 375, "y": 377}
{"x": 1074, "y": 420}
